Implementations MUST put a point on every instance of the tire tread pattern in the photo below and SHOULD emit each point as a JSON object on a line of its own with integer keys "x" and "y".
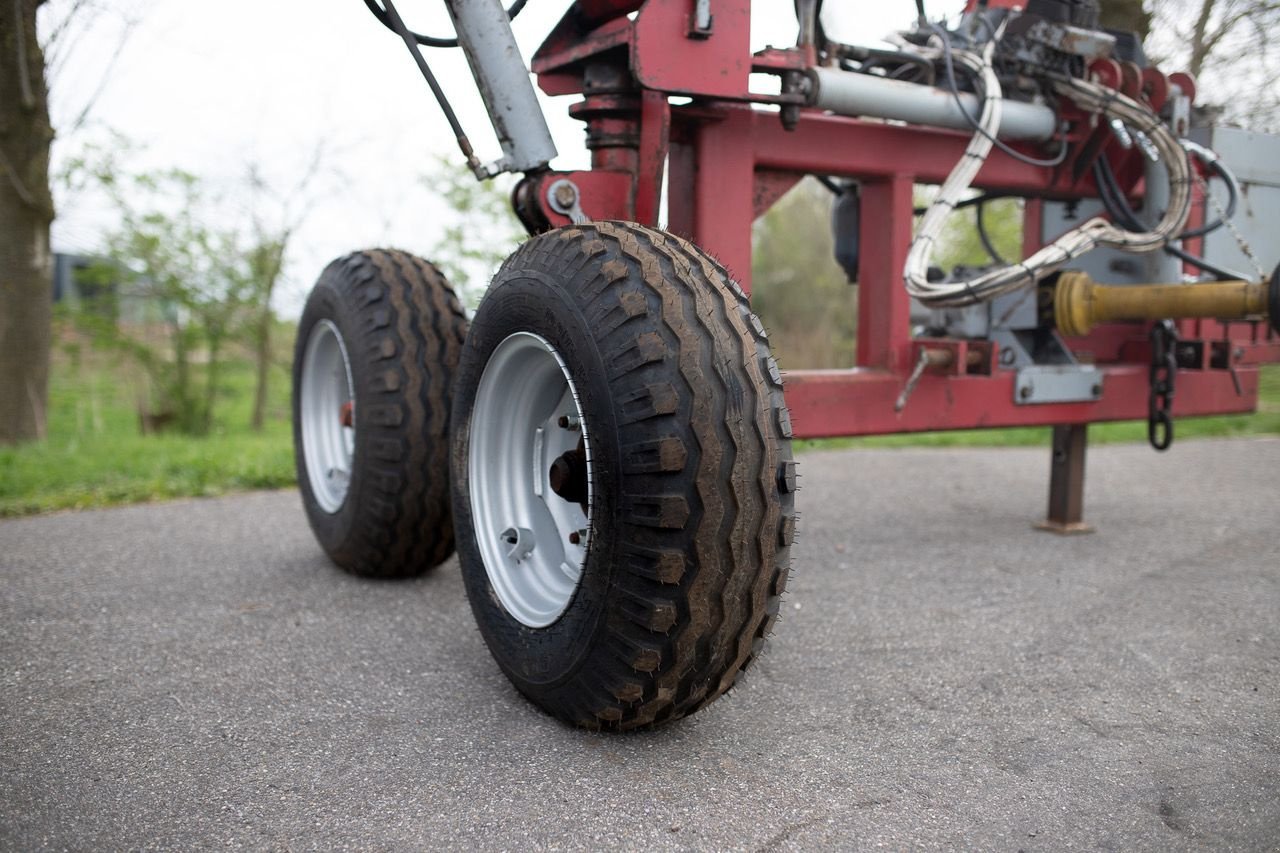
{"x": 411, "y": 328}
{"x": 704, "y": 432}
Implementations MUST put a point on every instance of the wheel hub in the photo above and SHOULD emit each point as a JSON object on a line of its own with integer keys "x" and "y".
{"x": 327, "y": 414}
{"x": 568, "y": 476}
{"x": 529, "y": 474}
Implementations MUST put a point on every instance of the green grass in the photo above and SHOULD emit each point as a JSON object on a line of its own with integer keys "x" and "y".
{"x": 95, "y": 456}
{"x": 1265, "y": 421}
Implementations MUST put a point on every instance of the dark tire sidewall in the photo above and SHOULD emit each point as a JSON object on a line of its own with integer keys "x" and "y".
{"x": 336, "y": 531}
{"x": 540, "y": 661}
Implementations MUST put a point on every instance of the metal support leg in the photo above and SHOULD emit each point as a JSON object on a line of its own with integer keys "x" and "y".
{"x": 1066, "y": 481}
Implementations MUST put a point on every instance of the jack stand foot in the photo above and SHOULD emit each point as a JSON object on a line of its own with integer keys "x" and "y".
{"x": 1066, "y": 481}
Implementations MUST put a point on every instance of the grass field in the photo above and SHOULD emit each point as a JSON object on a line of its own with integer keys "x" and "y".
{"x": 95, "y": 456}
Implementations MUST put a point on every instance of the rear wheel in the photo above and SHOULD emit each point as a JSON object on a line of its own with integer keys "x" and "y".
{"x": 623, "y": 481}
{"x": 377, "y": 348}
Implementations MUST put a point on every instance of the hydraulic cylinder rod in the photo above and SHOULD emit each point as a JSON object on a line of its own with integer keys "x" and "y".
{"x": 849, "y": 94}
{"x": 484, "y": 31}
{"x": 1080, "y": 303}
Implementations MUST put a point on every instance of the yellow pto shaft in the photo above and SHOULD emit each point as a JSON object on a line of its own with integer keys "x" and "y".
{"x": 1080, "y": 303}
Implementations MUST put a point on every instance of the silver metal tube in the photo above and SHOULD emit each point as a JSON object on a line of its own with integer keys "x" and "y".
{"x": 852, "y": 94}
{"x": 484, "y": 33}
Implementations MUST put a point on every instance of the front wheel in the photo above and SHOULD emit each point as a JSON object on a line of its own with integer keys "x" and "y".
{"x": 623, "y": 481}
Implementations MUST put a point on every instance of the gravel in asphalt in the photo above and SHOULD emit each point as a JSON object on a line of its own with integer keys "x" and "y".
{"x": 196, "y": 674}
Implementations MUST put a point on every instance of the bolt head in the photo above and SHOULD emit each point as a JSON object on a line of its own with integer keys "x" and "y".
{"x": 566, "y": 195}
{"x": 1025, "y": 391}
{"x": 574, "y": 538}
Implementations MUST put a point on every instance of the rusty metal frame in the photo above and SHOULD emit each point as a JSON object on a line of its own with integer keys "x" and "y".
{"x": 726, "y": 162}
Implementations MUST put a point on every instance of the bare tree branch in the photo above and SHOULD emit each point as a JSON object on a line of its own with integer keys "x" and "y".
{"x": 103, "y": 80}
{"x": 18, "y": 186}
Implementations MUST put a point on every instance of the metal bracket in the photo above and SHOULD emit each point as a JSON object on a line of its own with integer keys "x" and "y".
{"x": 563, "y": 197}
{"x": 1047, "y": 372}
{"x": 1058, "y": 383}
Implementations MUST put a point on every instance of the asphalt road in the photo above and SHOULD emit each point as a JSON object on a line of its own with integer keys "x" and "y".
{"x": 195, "y": 674}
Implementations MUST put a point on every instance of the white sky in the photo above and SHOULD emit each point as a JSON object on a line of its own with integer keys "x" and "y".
{"x": 212, "y": 87}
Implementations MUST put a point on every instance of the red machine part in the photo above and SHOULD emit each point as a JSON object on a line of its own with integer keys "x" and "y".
{"x": 729, "y": 162}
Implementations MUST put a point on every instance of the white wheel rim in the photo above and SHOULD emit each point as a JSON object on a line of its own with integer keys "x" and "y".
{"x": 527, "y": 415}
{"x": 327, "y": 415}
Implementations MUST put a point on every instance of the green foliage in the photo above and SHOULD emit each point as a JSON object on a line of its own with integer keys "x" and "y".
{"x": 803, "y": 296}
{"x": 95, "y": 456}
{"x": 199, "y": 285}
{"x": 962, "y": 245}
{"x": 798, "y": 289}
{"x": 481, "y": 229}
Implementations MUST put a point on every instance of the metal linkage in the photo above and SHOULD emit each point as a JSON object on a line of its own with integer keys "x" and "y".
{"x": 484, "y": 32}
{"x": 1163, "y": 372}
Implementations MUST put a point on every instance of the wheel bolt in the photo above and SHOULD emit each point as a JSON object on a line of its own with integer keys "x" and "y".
{"x": 568, "y": 422}
{"x": 574, "y": 538}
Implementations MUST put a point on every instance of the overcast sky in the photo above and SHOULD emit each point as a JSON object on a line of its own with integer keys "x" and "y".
{"x": 212, "y": 87}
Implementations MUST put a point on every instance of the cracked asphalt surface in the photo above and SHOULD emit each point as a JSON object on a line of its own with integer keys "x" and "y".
{"x": 196, "y": 674}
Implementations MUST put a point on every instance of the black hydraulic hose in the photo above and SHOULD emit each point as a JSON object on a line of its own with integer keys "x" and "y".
{"x": 873, "y": 56}
{"x": 1233, "y": 197}
{"x": 1057, "y": 160}
{"x": 397, "y": 24}
{"x": 968, "y": 202}
{"x": 984, "y": 237}
{"x": 1118, "y": 206}
{"x": 830, "y": 184}
{"x": 430, "y": 41}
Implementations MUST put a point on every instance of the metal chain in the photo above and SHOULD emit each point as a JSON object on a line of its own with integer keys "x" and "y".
{"x": 1164, "y": 368}
{"x": 1245, "y": 248}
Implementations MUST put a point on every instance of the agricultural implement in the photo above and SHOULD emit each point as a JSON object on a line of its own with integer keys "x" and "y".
{"x": 607, "y": 441}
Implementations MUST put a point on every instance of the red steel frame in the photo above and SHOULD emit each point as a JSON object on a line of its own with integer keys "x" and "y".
{"x": 729, "y": 161}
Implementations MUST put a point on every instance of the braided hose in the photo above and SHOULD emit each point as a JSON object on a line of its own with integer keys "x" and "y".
{"x": 1052, "y": 257}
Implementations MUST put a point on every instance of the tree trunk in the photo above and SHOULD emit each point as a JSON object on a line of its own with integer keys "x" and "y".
{"x": 181, "y": 397}
{"x": 26, "y": 211}
{"x": 263, "y": 356}
{"x": 212, "y": 377}
{"x": 268, "y": 261}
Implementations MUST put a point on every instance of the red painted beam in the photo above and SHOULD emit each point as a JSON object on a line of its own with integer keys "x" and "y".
{"x": 827, "y": 403}
{"x": 856, "y": 148}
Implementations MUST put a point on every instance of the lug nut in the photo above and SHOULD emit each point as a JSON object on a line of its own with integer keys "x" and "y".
{"x": 574, "y": 538}
{"x": 568, "y": 422}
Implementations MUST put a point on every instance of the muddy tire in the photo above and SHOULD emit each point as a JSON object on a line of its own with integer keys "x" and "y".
{"x": 615, "y": 378}
{"x": 373, "y": 368}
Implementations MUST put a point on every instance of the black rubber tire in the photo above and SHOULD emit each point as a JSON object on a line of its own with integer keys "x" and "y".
{"x": 403, "y": 327}
{"x": 693, "y": 509}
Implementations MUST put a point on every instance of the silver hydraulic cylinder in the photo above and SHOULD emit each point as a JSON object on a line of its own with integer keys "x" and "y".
{"x": 851, "y": 94}
{"x": 485, "y": 36}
